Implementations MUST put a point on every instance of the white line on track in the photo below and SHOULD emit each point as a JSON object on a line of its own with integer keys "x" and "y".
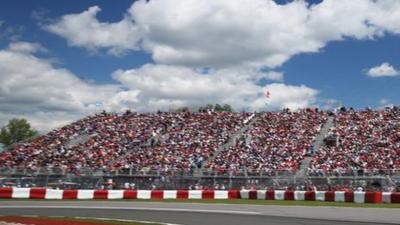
{"x": 133, "y": 208}
{"x": 125, "y": 220}
{"x": 104, "y": 219}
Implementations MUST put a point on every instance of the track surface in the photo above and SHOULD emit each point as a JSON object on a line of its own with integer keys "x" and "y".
{"x": 196, "y": 214}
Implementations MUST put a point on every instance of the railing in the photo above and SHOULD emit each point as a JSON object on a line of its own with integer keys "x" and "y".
{"x": 6, "y": 171}
{"x": 146, "y": 178}
{"x": 353, "y": 173}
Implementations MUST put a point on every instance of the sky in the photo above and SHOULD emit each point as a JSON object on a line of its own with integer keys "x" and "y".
{"x": 62, "y": 60}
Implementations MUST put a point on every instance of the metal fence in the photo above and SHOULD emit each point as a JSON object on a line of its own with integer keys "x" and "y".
{"x": 86, "y": 178}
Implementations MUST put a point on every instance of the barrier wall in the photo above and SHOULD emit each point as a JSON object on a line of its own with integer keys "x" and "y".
{"x": 328, "y": 196}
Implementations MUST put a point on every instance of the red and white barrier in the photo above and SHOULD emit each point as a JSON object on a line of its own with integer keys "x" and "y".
{"x": 54, "y": 194}
{"x": 170, "y": 194}
{"x": 328, "y": 196}
{"x": 391, "y": 197}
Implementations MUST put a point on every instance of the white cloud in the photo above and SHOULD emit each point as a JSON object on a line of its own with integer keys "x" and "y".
{"x": 10, "y": 32}
{"x": 274, "y": 75}
{"x": 384, "y": 101}
{"x": 41, "y": 120}
{"x": 228, "y": 33}
{"x": 209, "y": 51}
{"x": 85, "y": 30}
{"x": 33, "y": 88}
{"x": 163, "y": 87}
{"x": 329, "y": 104}
{"x": 26, "y": 47}
{"x": 383, "y": 70}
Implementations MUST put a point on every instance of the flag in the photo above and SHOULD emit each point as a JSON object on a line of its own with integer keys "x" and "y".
{"x": 267, "y": 94}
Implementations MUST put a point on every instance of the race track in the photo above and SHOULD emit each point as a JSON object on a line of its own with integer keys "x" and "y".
{"x": 196, "y": 214}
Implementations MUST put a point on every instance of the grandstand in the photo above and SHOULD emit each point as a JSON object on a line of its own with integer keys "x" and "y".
{"x": 218, "y": 150}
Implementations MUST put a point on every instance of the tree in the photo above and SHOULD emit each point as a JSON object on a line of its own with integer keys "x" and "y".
{"x": 16, "y": 131}
{"x": 206, "y": 108}
{"x": 227, "y": 108}
{"x": 181, "y": 109}
{"x": 218, "y": 108}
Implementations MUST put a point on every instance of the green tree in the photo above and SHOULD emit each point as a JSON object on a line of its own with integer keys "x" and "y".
{"x": 15, "y": 131}
{"x": 208, "y": 107}
{"x": 182, "y": 109}
{"x": 218, "y": 108}
{"x": 227, "y": 108}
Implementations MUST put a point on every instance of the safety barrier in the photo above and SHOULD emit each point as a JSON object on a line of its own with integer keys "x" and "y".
{"x": 328, "y": 196}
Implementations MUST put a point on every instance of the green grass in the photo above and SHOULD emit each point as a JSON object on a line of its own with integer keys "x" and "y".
{"x": 247, "y": 201}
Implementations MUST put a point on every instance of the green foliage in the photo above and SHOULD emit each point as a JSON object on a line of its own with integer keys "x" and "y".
{"x": 16, "y": 131}
{"x": 181, "y": 109}
{"x": 227, "y": 108}
{"x": 216, "y": 108}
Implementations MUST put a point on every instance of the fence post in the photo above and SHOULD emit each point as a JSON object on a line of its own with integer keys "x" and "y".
{"x": 47, "y": 180}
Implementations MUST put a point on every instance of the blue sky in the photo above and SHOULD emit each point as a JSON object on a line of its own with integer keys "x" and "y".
{"x": 94, "y": 67}
{"x": 333, "y": 65}
{"x": 339, "y": 71}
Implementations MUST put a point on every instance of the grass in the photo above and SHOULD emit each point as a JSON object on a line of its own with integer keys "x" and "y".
{"x": 247, "y": 201}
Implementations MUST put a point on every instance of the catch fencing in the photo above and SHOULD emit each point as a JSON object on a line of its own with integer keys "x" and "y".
{"x": 147, "y": 179}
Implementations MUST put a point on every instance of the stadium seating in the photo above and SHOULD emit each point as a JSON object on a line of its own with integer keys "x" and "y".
{"x": 368, "y": 140}
{"x": 276, "y": 141}
{"x": 159, "y": 141}
{"x": 368, "y": 143}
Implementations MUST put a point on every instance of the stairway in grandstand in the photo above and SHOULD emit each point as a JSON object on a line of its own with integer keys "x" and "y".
{"x": 318, "y": 143}
{"x": 230, "y": 142}
{"x": 77, "y": 140}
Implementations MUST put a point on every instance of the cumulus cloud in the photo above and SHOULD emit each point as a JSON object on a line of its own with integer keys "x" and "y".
{"x": 273, "y": 75}
{"x": 84, "y": 29}
{"x": 227, "y": 33}
{"x": 166, "y": 86}
{"x": 383, "y": 70}
{"x": 210, "y": 51}
{"x": 33, "y": 88}
{"x": 26, "y": 47}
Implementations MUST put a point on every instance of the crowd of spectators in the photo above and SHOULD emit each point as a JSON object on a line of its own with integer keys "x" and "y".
{"x": 368, "y": 141}
{"x": 143, "y": 141}
{"x": 190, "y": 139}
{"x": 275, "y": 141}
{"x": 52, "y": 149}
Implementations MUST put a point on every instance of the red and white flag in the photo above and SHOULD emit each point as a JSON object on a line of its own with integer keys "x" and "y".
{"x": 267, "y": 94}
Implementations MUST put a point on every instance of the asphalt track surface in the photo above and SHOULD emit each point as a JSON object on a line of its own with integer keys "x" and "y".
{"x": 199, "y": 214}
